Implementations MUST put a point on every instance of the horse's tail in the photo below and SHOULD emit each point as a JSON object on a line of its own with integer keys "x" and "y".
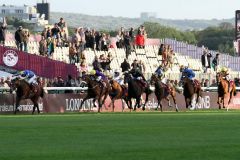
{"x": 234, "y": 90}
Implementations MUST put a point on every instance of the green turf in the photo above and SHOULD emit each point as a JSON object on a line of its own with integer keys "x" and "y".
{"x": 137, "y": 136}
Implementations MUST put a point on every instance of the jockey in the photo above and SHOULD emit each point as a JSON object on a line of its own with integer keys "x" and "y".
{"x": 29, "y": 76}
{"x": 137, "y": 75}
{"x": 117, "y": 77}
{"x": 100, "y": 76}
{"x": 159, "y": 72}
{"x": 225, "y": 73}
{"x": 188, "y": 72}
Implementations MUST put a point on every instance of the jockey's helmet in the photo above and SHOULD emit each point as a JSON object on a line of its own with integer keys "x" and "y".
{"x": 22, "y": 73}
{"x": 224, "y": 69}
{"x": 92, "y": 72}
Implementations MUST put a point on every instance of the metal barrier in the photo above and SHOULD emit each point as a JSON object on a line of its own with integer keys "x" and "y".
{"x": 86, "y": 88}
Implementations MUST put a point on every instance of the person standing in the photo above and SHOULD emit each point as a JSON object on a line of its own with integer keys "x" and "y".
{"x": 19, "y": 36}
{"x": 3, "y": 28}
{"x": 205, "y": 58}
{"x": 215, "y": 62}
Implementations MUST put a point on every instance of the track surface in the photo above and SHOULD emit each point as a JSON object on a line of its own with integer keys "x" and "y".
{"x": 129, "y": 136}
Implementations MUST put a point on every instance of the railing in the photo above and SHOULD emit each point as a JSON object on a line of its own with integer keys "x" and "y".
{"x": 47, "y": 89}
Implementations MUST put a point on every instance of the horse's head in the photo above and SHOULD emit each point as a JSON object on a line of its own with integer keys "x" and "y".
{"x": 154, "y": 79}
{"x": 15, "y": 83}
{"x": 219, "y": 77}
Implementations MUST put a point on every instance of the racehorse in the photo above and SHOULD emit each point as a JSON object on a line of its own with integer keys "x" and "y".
{"x": 24, "y": 91}
{"x": 223, "y": 89}
{"x": 162, "y": 93}
{"x": 117, "y": 92}
{"x": 135, "y": 90}
{"x": 96, "y": 91}
{"x": 190, "y": 88}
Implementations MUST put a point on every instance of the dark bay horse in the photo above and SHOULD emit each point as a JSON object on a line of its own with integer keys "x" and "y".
{"x": 161, "y": 92}
{"x": 117, "y": 92}
{"x": 223, "y": 89}
{"x": 96, "y": 91}
{"x": 24, "y": 91}
{"x": 135, "y": 90}
{"x": 190, "y": 89}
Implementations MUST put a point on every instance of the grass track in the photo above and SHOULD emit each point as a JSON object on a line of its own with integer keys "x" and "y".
{"x": 198, "y": 135}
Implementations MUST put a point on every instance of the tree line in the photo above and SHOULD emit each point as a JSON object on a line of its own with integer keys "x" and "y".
{"x": 218, "y": 38}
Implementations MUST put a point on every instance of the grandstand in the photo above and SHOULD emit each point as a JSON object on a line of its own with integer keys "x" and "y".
{"x": 185, "y": 54}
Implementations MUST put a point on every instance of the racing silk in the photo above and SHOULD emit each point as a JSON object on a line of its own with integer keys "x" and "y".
{"x": 159, "y": 71}
{"x": 100, "y": 74}
{"x": 119, "y": 80}
{"x": 28, "y": 74}
{"x": 189, "y": 72}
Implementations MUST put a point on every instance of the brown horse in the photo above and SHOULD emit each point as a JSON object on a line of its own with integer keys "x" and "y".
{"x": 96, "y": 91}
{"x": 190, "y": 88}
{"x": 223, "y": 89}
{"x": 162, "y": 93}
{"x": 117, "y": 92}
{"x": 135, "y": 90}
{"x": 24, "y": 91}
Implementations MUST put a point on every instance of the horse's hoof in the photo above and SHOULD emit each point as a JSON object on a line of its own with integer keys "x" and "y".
{"x": 156, "y": 109}
{"x": 143, "y": 108}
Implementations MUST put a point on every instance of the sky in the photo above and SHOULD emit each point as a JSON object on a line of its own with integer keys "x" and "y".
{"x": 167, "y": 9}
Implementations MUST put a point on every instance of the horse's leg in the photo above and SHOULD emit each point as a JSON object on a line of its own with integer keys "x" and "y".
{"x": 223, "y": 101}
{"x": 169, "y": 102}
{"x": 17, "y": 105}
{"x": 160, "y": 105}
{"x": 174, "y": 101}
{"x": 186, "y": 101}
{"x": 113, "y": 104}
{"x": 218, "y": 102}
{"x": 86, "y": 98}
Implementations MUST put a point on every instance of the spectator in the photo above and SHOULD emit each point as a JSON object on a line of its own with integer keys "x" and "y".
{"x": 50, "y": 46}
{"x": 142, "y": 66}
{"x": 19, "y": 34}
{"x": 96, "y": 64}
{"x": 43, "y": 46}
{"x": 131, "y": 34}
{"x": 26, "y": 36}
{"x": 140, "y": 40}
{"x": 73, "y": 54}
{"x": 125, "y": 65}
{"x": 98, "y": 37}
{"x": 135, "y": 65}
{"x": 83, "y": 67}
{"x": 55, "y": 31}
{"x": 3, "y": 28}
{"x": 119, "y": 40}
{"x": 70, "y": 83}
{"x": 205, "y": 58}
{"x": 215, "y": 62}
{"x": 127, "y": 44}
{"x": 62, "y": 24}
{"x": 2, "y": 82}
{"x": 161, "y": 49}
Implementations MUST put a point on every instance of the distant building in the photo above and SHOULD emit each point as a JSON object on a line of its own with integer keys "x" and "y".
{"x": 20, "y": 12}
{"x": 44, "y": 9}
{"x": 147, "y": 15}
